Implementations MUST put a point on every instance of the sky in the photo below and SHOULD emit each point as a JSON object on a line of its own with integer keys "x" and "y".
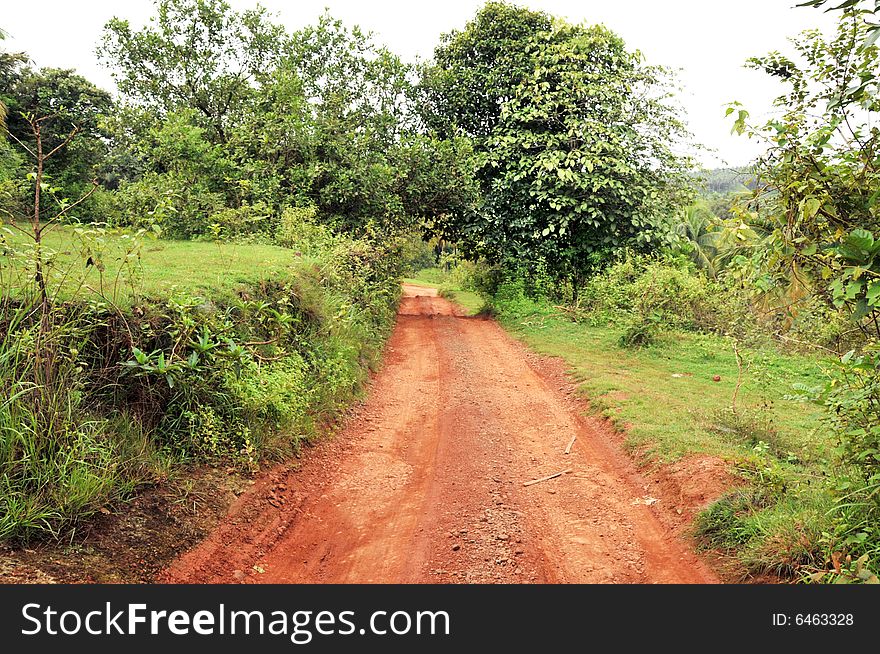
{"x": 706, "y": 41}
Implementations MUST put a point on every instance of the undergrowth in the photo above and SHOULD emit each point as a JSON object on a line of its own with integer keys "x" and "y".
{"x": 99, "y": 399}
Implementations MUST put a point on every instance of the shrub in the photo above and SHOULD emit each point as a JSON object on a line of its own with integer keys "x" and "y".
{"x": 246, "y": 220}
{"x": 816, "y": 323}
{"x": 639, "y": 332}
{"x": 852, "y": 400}
{"x": 479, "y": 277}
{"x": 234, "y": 377}
{"x": 645, "y": 295}
{"x": 853, "y": 403}
{"x": 511, "y": 299}
{"x": 418, "y": 255}
{"x": 168, "y": 205}
{"x": 297, "y": 229}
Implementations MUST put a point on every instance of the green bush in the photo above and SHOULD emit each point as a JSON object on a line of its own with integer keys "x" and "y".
{"x": 608, "y": 295}
{"x": 418, "y": 254}
{"x": 246, "y": 220}
{"x": 645, "y": 294}
{"x": 816, "y": 323}
{"x": 640, "y": 331}
{"x": 852, "y": 400}
{"x": 298, "y": 229}
{"x": 476, "y": 276}
{"x": 168, "y": 205}
{"x": 511, "y": 299}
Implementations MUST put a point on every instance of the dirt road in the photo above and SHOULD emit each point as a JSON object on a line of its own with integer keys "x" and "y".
{"x": 424, "y": 483}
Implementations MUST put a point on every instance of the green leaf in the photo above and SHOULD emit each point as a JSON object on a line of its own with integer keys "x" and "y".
{"x": 861, "y": 239}
{"x": 810, "y": 208}
{"x": 853, "y": 289}
{"x": 873, "y": 293}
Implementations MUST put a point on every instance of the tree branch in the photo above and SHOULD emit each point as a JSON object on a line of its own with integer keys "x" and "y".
{"x": 66, "y": 141}
{"x": 19, "y": 141}
{"x": 82, "y": 199}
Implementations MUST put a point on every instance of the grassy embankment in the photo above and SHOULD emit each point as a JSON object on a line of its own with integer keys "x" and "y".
{"x": 172, "y": 353}
{"x": 155, "y": 267}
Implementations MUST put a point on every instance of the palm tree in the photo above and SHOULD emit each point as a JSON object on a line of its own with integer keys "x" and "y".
{"x": 698, "y": 228}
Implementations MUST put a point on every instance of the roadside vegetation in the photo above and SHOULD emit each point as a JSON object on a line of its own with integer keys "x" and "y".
{"x": 203, "y": 269}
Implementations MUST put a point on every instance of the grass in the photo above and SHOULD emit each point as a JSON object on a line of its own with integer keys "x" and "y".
{"x": 96, "y": 400}
{"x": 435, "y": 277}
{"x": 157, "y": 268}
{"x": 666, "y": 394}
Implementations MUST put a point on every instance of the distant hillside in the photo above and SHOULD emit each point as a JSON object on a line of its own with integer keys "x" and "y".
{"x": 726, "y": 180}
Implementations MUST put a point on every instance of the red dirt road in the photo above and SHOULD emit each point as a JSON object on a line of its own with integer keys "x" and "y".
{"x": 424, "y": 483}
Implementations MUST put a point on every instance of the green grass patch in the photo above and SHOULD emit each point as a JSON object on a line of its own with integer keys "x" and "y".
{"x": 143, "y": 266}
{"x": 666, "y": 394}
{"x": 435, "y": 277}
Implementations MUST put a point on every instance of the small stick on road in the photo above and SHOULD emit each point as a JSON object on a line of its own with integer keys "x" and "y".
{"x": 570, "y": 443}
{"x": 553, "y": 476}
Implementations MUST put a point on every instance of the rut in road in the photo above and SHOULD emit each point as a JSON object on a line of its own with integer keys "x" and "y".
{"x": 424, "y": 483}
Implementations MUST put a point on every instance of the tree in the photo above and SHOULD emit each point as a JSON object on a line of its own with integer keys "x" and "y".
{"x": 227, "y": 111}
{"x": 66, "y": 101}
{"x": 3, "y": 109}
{"x": 869, "y": 10}
{"x": 697, "y": 227}
{"x": 819, "y": 180}
{"x": 72, "y": 102}
{"x": 573, "y": 144}
{"x": 195, "y": 54}
{"x": 42, "y": 151}
{"x": 361, "y": 123}
{"x": 475, "y": 70}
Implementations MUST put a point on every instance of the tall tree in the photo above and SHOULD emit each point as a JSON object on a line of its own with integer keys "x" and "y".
{"x": 66, "y": 101}
{"x": 475, "y": 70}
{"x": 195, "y": 53}
{"x": 574, "y": 142}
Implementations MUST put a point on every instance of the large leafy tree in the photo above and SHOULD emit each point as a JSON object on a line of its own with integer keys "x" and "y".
{"x": 475, "y": 70}
{"x": 335, "y": 126}
{"x": 226, "y": 110}
{"x": 573, "y": 141}
{"x": 196, "y": 54}
{"x": 68, "y": 102}
{"x": 358, "y": 97}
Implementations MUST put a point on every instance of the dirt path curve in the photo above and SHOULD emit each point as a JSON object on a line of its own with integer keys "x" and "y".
{"x": 424, "y": 483}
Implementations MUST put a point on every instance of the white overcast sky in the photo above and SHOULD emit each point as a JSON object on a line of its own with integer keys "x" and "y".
{"x": 708, "y": 40}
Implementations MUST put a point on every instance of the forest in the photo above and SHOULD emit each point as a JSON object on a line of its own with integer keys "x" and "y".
{"x": 202, "y": 268}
